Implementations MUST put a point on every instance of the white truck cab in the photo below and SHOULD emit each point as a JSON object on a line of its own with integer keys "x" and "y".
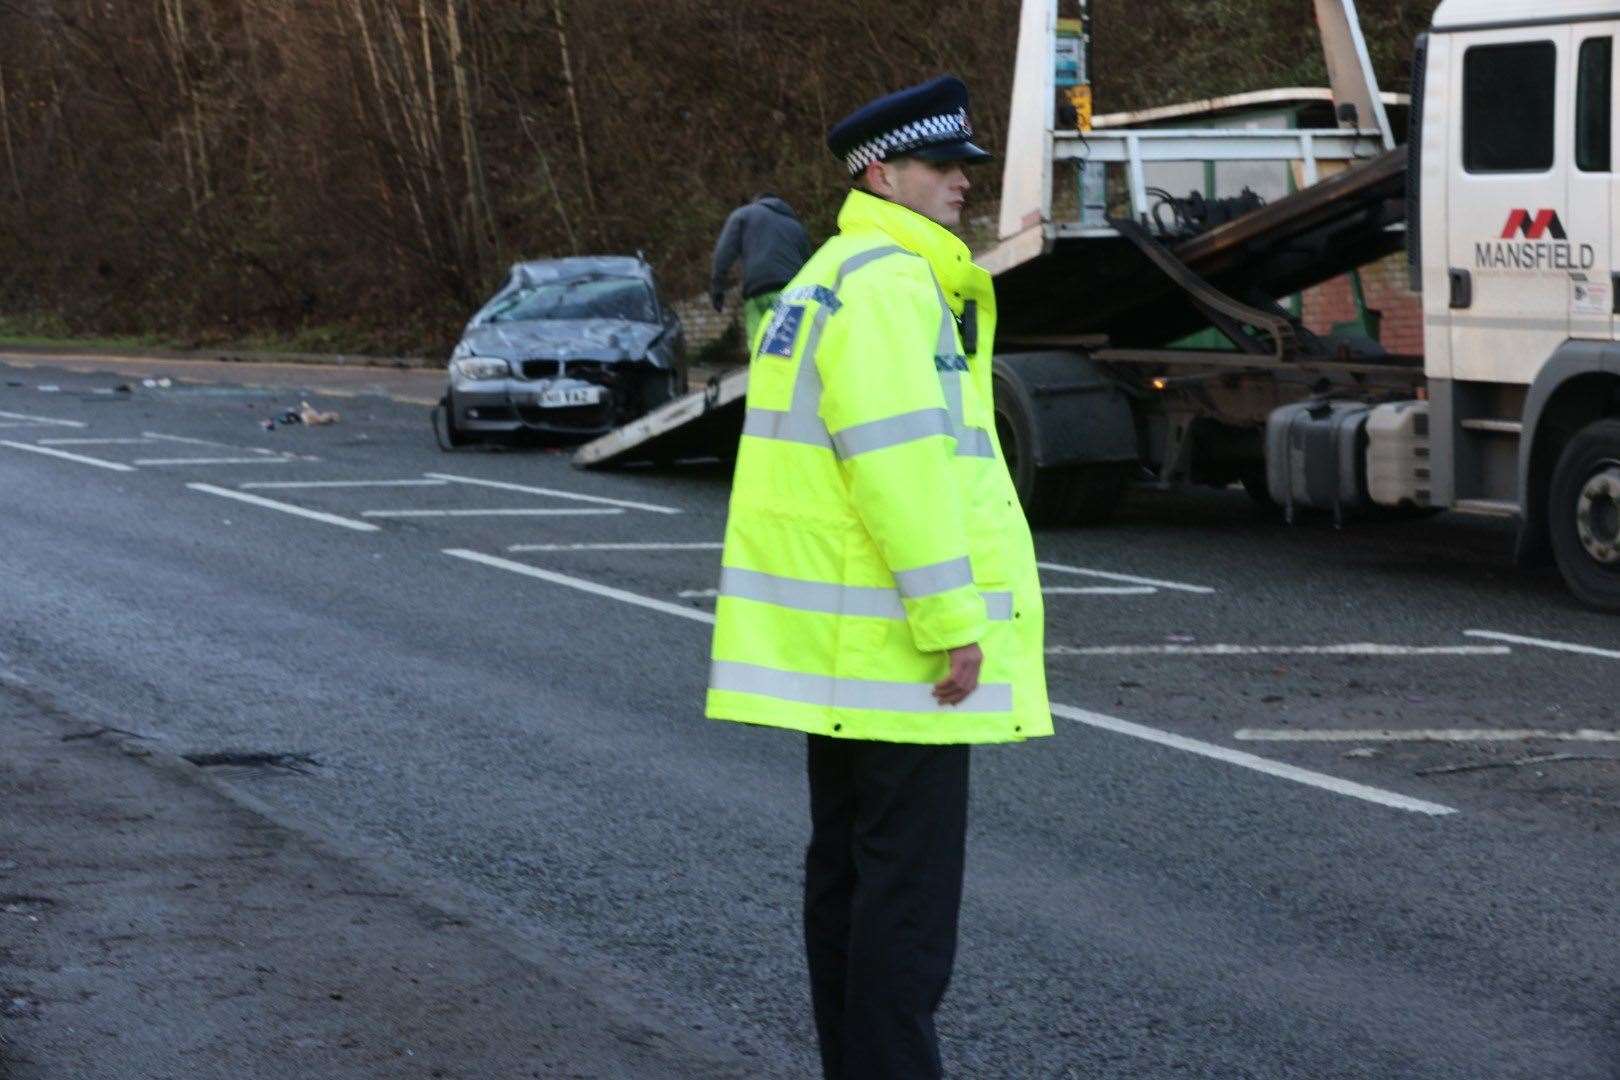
{"x": 1512, "y": 162}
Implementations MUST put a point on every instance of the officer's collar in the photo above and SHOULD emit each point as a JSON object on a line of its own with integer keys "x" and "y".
{"x": 944, "y": 250}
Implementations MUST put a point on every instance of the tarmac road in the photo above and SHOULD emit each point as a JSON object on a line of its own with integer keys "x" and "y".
{"x": 501, "y": 702}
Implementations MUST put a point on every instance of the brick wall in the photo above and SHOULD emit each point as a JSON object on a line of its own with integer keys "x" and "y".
{"x": 703, "y": 324}
{"x": 1383, "y": 283}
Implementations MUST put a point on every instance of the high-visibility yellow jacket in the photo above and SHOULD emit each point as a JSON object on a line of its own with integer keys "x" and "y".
{"x": 873, "y": 524}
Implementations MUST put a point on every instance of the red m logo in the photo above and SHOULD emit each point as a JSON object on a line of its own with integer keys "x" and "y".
{"x": 1546, "y": 221}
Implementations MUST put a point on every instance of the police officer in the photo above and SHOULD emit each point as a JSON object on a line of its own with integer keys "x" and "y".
{"x": 879, "y": 588}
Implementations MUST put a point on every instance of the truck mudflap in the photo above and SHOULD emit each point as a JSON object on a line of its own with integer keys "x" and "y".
{"x": 705, "y": 424}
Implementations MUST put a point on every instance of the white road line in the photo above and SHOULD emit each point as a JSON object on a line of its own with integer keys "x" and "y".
{"x": 215, "y": 461}
{"x": 698, "y": 594}
{"x": 285, "y": 508}
{"x": 1358, "y": 648}
{"x": 1098, "y": 590}
{"x": 1251, "y": 761}
{"x": 1543, "y": 643}
{"x": 504, "y": 486}
{"x": 524, "y": 512}
{"x": 1425, "y": 735}
{"x": 184, "y": 439}
{"x": 581, "y": 584}
{"x": 705, "y": 546}
{"x": 42, "y": 419}
{"x": 25, "y": 424}
{"x": 91, "y": 442}
{"x": 1123, "y": 727}
{"x": 342, "y": 483}
{"x": 115, "y": 466}
{"x": 1132, "y": 579}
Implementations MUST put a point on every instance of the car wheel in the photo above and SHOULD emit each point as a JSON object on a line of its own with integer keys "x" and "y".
{"x": 1583, "y": 506}
{"x": 657, "y": 388}
{"x": 453, "y": 437}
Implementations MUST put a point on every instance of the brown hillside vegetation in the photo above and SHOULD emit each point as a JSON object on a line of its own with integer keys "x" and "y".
{"x": 211, "y": 169}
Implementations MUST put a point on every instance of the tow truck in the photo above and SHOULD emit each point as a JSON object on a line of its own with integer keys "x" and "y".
{"x": 1136, "y": 345}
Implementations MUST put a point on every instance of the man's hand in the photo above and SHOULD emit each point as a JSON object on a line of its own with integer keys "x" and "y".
{"x": 718, "y": 299}
{"x": 954, "y": 688}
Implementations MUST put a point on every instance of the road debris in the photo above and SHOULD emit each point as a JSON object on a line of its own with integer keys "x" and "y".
{"x": 1514, "y": 763}
{"x": 313, "y": 416}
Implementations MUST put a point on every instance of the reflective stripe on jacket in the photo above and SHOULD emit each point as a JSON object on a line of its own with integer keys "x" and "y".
{"x": 873, "y": 525}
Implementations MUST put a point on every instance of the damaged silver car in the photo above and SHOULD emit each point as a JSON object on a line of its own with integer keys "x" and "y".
{"x": 566, "y": 348}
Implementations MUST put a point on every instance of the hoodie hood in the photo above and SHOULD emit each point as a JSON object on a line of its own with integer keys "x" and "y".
{"x": 772, "y": 202}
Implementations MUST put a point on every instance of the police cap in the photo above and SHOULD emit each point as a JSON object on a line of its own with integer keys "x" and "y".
{"x": 928, "y": 121}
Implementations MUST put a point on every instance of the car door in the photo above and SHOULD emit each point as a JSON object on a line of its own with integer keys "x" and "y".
{"x": 1591, "y": 184}
{"x": 1508, "y": 245}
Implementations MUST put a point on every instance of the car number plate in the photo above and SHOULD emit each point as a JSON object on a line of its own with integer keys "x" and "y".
{"x": 569, "y": 396}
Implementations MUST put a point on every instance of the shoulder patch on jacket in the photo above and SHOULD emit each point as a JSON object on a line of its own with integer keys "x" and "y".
{"x": 782, "y": 331}
{"x": 819, "y": 293}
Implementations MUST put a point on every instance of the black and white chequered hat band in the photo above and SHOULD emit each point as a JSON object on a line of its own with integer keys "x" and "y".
{"x": 950, "y": 127}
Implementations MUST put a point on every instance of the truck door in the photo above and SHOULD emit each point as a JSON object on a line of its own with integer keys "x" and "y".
{"x": 1509, "y": 249}
{"x": 1591, "y": 189}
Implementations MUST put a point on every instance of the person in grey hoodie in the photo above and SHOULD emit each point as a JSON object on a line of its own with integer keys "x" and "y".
{"x": 766, "y": 235}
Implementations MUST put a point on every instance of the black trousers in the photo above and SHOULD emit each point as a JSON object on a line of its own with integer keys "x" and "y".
{"x": 882, "y": 887}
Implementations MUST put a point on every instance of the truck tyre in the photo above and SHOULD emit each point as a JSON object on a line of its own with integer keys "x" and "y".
{"x": 1583, "y": 504}
{"x": 1086, "y": 494}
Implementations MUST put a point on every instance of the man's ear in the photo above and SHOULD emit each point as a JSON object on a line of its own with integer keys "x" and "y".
{"x": 876, "y": 179}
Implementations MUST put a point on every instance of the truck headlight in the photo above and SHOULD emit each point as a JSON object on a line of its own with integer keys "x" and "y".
{"x": 474, "y": 368}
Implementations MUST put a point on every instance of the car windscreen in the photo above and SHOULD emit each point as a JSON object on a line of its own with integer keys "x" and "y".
{"x": 577, "y": 298}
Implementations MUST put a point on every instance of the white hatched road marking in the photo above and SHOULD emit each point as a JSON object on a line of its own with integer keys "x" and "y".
{"x": 115, "y": 466}
{"x": 92, "y": 442}
{"x": 1098, "y": 590}
{"x": 285, "y": 508}
{"x": 1425, "y": 735}
{"x": 342, "y": 483}
{"x": 1130, "y": 579}
{"x": 1124, "y": 727}
{"x": 1544, "y": 643}
{"x": 527, "y": 489}
{"x": 1358, "y": 648}
{"x": 523, "y": 512}
{"x": 215, "y": 461}
{"x": 704, "y": 546}
{"x": 1246, "y": 760}
{"x": 580, "y": 583}
{"x": 47, "y": 420}
{"x": 185, "y": 439}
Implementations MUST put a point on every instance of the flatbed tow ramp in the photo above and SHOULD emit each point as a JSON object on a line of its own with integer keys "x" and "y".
{"x": 704, "y": 425}
{"x": 1112, "y": 291}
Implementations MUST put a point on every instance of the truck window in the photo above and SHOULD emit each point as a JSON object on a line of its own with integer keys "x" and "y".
{"x": 1592, "y": 105}
{"x": 1508, "y": 107}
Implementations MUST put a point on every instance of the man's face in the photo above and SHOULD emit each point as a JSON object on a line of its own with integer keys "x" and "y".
{"x": 935, "y": 189}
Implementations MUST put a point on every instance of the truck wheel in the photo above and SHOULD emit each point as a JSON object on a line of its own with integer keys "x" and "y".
{"x": 1076, "y": 495}
{"x": 1583, "y": 505}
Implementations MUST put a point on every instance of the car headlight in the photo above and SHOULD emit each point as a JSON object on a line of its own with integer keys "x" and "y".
{"x": 479, "y": 367}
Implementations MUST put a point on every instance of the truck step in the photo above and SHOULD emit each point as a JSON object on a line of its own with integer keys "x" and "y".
{"x": 1487, "y": 507}
{"x": 1495, "y": 427}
